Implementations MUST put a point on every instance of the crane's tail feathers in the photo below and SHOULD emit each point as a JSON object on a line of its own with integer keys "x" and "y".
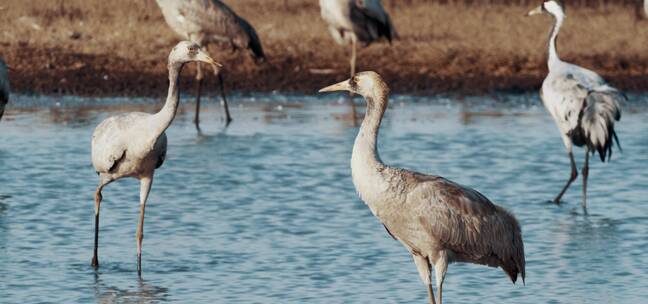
{"x": 596, "y": 121}
{"x": 616, "y": 139}
{"x": 387, "y": 30}
{"x": 511, "y": 254}
{"x": 513, "y": 269}
{"x": 254, "y": 43}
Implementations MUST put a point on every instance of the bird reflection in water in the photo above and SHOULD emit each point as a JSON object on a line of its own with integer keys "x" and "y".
{"x": 141, "y": 293}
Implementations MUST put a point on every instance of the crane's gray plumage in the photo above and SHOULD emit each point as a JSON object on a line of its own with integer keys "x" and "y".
{"x": 438, "y": 221}
{"x": 4, "y": 86}
{"x": 362, "y": 20}
{"x": 581, "y": 103}
{"x": 135, "y": 144}
{"x": 211, "y": 21}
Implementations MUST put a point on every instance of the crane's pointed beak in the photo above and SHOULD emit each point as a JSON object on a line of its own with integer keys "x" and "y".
{"x": 204, "y": 57}
{"x": 536, "y": 11}
{"x": 341, "y": 86}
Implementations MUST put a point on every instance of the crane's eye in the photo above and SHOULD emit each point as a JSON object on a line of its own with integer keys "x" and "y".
{"x": 353, "y": 82}
{"x": 193, "y": 50}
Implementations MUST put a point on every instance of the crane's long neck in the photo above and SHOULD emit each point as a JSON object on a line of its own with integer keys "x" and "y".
{"x": 553, "y": 36}
{"x": 366, "y": 166}
{"x": 365, "y": 146}
{"x": 164, "y": 118}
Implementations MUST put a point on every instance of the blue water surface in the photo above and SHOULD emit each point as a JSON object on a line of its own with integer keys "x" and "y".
{"x": 265, "y": 211}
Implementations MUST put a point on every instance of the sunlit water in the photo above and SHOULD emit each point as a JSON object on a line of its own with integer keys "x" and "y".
{"x": 265, "y": 211}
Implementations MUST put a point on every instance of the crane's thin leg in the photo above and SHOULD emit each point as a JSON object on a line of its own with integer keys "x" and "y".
{"x": 103, "y": 181}
{"x": 423, "y": 266}
{"x": 228, "y": 118}
{"x": 354, "y": 44}
{"x": 440, "y": 269}
{"x": 199, "y": 78}
{"x": 145, "y": 188}
{"x": 572, "y": 177}
{"x": 585, "y": 175}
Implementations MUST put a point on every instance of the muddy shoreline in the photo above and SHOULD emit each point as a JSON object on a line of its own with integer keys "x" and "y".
{"x": 119, "y": 48}
{"x": 57, "y": 72}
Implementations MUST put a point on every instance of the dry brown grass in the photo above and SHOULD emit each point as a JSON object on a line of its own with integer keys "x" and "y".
{"x": 442, "y": 46}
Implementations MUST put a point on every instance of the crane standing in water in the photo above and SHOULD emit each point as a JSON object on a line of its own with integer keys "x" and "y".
{"x": 353, "y": 21}
{"x": 211, "y": 21}
{"x": 437, "y": 220}
{"x": 134, "y": 144}
{"x": 581, "y": 103}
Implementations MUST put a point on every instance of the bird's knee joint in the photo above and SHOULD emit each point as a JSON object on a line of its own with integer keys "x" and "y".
{"x": 574, "y": 175}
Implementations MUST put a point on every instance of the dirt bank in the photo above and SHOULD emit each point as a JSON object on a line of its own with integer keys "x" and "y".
{"x": 120, "y": 48}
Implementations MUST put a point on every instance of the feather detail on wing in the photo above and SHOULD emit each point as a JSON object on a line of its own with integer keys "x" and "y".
{"x": 212, "y": 21}
{"x": 108, "y": 145}
{"x": 467, "y": 223}
{"x": 586, "y": 108}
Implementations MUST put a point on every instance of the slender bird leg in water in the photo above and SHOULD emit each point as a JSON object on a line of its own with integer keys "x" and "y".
{"x": 199, "y": 78}
{"x": 145, "y": 188}
{"x": 95, "y": 260}
{"x": 572, "y": 177}
{"x": 103, "y": 181}
{"x": 354, "y": 44}
{"x": 228, "y": 118}
{"x": 585, "y": 175}
{"x": 440, "y": 269}
{"x": 423, "y": 266}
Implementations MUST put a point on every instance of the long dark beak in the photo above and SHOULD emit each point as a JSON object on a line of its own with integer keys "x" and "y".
{"x": 340, "y": 86}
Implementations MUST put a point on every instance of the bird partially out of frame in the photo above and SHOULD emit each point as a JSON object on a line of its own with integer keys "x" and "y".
{"x": 211, "y": 21}
{"x": 437, "y": 220}
{"x": 353, "y": 21}
{"x": 581, "y": 103}
{"x": 135, "y": 144}
{"x": 4, "y": 86}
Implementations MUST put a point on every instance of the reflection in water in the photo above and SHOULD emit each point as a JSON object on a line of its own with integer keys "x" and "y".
{"x": 141, "y": 293}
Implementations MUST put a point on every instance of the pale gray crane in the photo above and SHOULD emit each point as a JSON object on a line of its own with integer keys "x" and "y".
{"x": 353, "y": 21}
{"x": 437, "y": 220}
{"x": 581, "y": 103}
{"x": 211, "y": 21}
{"x": 4, "y": 86}
{"x": 134, "y": 144}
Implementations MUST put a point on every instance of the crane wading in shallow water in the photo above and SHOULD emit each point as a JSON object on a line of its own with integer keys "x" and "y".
{"x": 4, "y": 86}
{"x": 581, "y": 103}
{"x": 134, "y": 144}
{"x": 353, "y": 21}
{"x": 438, "y": 221}
{"x": 211, "y": 21}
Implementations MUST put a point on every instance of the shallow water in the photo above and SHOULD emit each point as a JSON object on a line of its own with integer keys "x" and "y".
{"x": 265, "y": 211}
